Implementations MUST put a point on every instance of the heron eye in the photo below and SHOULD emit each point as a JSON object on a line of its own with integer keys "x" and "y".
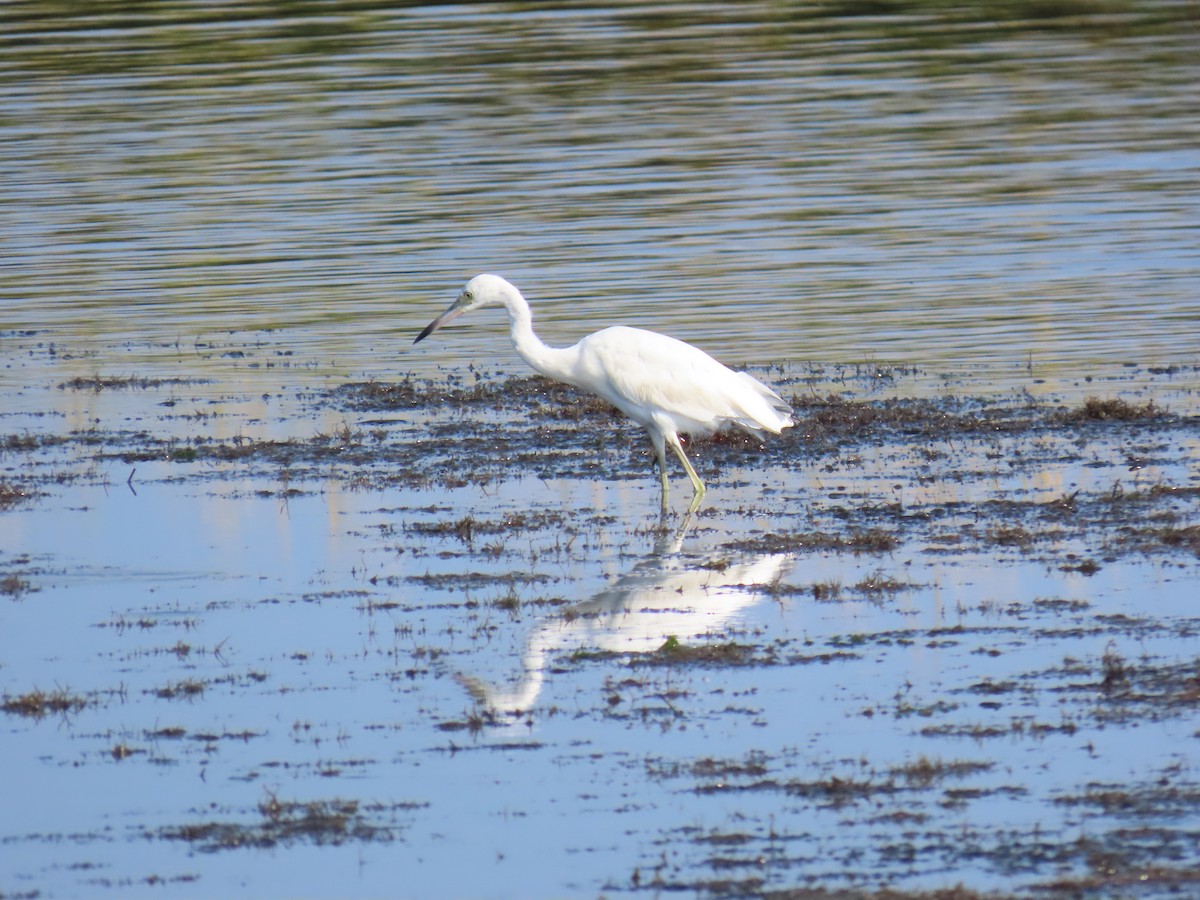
{"x": 467, "y": 295}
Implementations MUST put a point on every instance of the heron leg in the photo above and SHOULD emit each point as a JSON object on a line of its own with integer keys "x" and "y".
{"x": 660, "y": 451}
{"x": 697, "y": 484}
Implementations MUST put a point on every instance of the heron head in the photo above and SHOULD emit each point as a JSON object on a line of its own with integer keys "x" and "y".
{"x": 480, "y": 291}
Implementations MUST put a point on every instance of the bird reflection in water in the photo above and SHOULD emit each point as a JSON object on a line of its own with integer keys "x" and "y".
{"x": 663, "y": 596}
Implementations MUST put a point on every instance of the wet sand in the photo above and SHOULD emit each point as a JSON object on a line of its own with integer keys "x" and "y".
{"x": 433, "y": 639}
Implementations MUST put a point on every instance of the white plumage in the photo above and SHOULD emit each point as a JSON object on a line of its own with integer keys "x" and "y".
{"x": 670, "y": 387}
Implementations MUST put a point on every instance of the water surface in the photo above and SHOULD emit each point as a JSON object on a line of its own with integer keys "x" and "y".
{"x": 838, "y": 183}
{"x": 361, "y": 642}
{"x": 307, "y": 641}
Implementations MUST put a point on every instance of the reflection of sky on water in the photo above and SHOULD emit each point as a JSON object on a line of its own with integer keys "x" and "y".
{"x": 275, "y": 599}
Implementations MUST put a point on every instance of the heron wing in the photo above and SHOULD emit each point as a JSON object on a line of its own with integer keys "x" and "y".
{"x": 650, "y": 376}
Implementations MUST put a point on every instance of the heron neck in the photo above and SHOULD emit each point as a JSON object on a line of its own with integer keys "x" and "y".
{"x": 550, "y": 361}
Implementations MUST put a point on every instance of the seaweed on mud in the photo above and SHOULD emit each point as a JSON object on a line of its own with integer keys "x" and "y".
{"x": 870, "y": 540}
{"x": 1113, "y": 409}
{"x": 1115, "y": 871}
{"x": 468, "y": 527}
{"x": 925, "y": 772}
{"x": 13, "y": 494}
{"x": 725, "y": 653}
{"x": 99, "y": 383}
{"x": 875, "y": 586}
{"x": 38, "y": 704}
{"x": 837, "y": 414}
{"x": 236, "y": 449}
{"x": 24, "y": 443}
{"x": 834, "y": 420}
{"x": 1115, "y": 521}
{"x": 463, "y": 529}
{"x": 837, "y": 791}
{"x": 1113, "y": 690}
{"x": 1152, "y": 539}
{"x": 377, "y": 396}
{"x": 756, "y": 887}
{"x": 1187, "y": 537}
{"x": 837, "y": 421}
{"x": 553, "y": 430}
{"x": 832, "y": 792}
{"x": 166, "y": 732}
{"x": 13, "y": 585}
{"x": 468, "y": 580}
{"x": 533, "y": 394}
{"x": 1161, "y": 798}
{"x": 753, "y": 765}
{"x": 1145, "y": 689}
{"x": 878, "y": 584}
{"x": 189, "y": 688}
{"x": 1010, "y": 536}
{"x": 281, "y": 822}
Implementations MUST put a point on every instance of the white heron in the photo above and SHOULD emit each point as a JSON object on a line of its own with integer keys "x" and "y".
{"x": 667, "y": 386}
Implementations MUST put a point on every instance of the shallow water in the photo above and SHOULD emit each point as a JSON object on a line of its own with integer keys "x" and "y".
{"x": 352, "y": 643}
{"x": 266, "y": 629}
{"x": 904, "y": 184}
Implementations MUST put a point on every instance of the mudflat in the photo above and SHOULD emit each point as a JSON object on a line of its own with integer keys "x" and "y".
{"x": 935, "y": 640}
